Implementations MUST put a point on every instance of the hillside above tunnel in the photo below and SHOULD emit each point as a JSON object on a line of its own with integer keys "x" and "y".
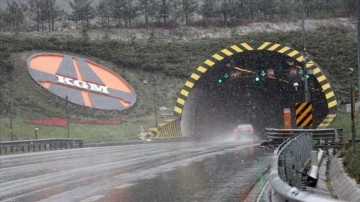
{"x": 156, "y": 68}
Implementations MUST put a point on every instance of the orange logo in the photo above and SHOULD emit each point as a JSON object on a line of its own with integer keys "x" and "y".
{"x": 82, "y": 81}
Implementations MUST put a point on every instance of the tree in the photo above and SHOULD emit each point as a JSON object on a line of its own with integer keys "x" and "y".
{"x": 189, "y": 9}
{"x": 130, "y": 12}
{"x": 350, "y": 6}
{"x": 267, "y": 8}
{"x": 82, "y": 11}
{"x": 209, "y": 9}
{"x": 225, "y": 9}
{"x": 51, "y": 13}
{"x": 148, "y": 9}
{"x": 36, "y": 9}
{"x": 103, "y": 11}
{"x": 44, "y": 10}
{"x": 164, "y": 10}
{"x": 14, "y": 15}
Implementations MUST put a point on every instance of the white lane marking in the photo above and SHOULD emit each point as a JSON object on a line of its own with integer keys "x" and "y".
{"x": 93, "y": 198}
{"x": 123, "y": 186}
{"x": 262, "y": 191}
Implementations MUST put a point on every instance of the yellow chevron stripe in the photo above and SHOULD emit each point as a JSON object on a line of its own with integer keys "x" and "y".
{"x": 324, "y": 125}
{"x": 317, "y": 70}
{"x": 184, "y": 92}
{"x": 310, "y": 63}
{"x": 209, "y": 63}
{"x": 218, "y": 57}
{"x": 301, "y": 107}
{"x": 326, "y": 86}
{"x": 195, "y": 76}
{"x": 300, "y": 59}
{"x": 189, "y": 84}
{"x": 201, "y": 69}
{"x": 227, "y": 52}
{"x": 275, "y": 46}
{"x": 283, "y": 50}
{"x": 178, "y": 110}
{"x": 321, "y": 78}
{"x": 245, "y": 45}
{"x": 236, "y": 48}
{"x": 264, "y": 45}
{"x": 329, "y": 95}
{"x": 306, "y": 112}
{"x": 308, "y": 120}
{"x": 295, "y": 52}
{"x": 180, "y": 101}
{"x": 332, "y": 104}
{"x": 332, "y": 116}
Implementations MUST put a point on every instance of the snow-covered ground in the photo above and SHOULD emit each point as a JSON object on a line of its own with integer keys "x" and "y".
{"x": 190, "y": 33}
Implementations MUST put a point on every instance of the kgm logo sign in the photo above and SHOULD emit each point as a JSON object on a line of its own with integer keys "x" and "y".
{"x": 82, "y": 81}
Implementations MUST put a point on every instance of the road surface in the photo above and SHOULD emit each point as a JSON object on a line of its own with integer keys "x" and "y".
{"x": 175, "y": 171}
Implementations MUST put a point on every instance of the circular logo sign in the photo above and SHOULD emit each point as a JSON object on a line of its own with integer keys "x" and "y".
{"x": 84, "y": 82}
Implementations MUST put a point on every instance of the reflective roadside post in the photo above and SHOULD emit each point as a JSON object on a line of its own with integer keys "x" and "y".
{"x": 352, "y": 99}
{"x": 10, "y": 121}
{"x": 36, "y": 129}
{"x": 156, "y": 119}
{"x": 67, "y": 117}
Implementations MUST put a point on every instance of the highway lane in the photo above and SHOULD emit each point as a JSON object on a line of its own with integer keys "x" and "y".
{"x": 185, "y": 171}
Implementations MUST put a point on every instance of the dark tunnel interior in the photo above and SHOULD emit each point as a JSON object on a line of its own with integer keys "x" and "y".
{"x": 228, "y": 94}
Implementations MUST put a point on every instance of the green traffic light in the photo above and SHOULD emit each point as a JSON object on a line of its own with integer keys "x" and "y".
{"x": 220, "y": 81}
{"x": 226, "y": 75}
{"x": 257, "y": 79}
{"x": 263, "y": 73}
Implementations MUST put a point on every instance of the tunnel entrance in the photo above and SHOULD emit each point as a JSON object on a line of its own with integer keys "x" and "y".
{"x": 252, "y": 86}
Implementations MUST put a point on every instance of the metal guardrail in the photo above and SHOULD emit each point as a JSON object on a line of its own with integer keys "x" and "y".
{"x": 10, "y": 147}
{"x": 323, "y": 138}
{"x": 328, "y": 133}
{"x": 284, "y": 179}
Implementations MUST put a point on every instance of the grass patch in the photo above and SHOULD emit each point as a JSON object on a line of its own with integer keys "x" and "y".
{"x": 89, "y": 133}
{"x": 352, "y": 162}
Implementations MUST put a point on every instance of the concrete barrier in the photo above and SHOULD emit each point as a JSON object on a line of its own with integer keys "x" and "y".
{"x": 345, "y": 187}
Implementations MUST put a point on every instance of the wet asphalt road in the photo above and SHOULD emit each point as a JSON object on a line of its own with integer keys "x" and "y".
{"x": 166, "y": 172}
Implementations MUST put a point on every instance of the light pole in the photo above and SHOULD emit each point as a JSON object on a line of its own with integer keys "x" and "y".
{"x": 36, "y": 129}
{"x": 306, "y": 88}
{"x": 358, "y": 43}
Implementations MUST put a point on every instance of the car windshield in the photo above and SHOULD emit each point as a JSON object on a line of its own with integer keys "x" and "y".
{"x": 163, "y": 100}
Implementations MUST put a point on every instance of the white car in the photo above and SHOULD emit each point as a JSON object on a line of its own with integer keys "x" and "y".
{"x": 244, "y": 132}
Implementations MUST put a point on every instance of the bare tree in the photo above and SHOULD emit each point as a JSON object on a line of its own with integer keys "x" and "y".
{"x": 51, "y": 13}
{"x": 164, "y": 10}
{"x": 104, "y": 12}
{"x": 82, "y": 11}
{"x": 36, "y": 11}
{"x": 189, "y": 9}
{"x": 14, "y": 14}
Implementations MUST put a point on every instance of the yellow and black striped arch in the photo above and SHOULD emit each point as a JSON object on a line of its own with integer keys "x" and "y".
{"x": 262, "y": 46}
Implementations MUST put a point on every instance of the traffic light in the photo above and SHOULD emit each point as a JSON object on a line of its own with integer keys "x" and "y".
{"x": 263, "y": 73}
{"x": 257, "y": 78}
{"x": 224, "y": 76}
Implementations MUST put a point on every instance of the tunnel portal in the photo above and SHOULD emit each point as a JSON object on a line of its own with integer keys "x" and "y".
{"x": 252, "y": 83}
